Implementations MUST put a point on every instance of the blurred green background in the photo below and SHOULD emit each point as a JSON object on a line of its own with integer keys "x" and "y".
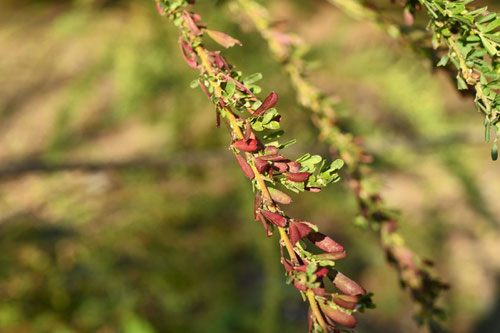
{"x": 121, "y": 209}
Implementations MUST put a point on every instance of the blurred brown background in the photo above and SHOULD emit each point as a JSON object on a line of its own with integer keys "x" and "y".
{"x": 121, "y": 209}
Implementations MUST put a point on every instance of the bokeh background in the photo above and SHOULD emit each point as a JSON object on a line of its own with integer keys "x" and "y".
{"x": 121, "y": 209}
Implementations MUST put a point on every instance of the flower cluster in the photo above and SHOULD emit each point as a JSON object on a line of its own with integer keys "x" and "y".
{"x": 310, "y": 256}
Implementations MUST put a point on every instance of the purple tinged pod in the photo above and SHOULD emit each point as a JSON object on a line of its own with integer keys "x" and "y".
{"x": 298, "y": 231}
{"x": 338, "y": 316}
{"x": 190, "y": 24}
{"x": 248, "y": 131}
{"x": 261, "y": 165}
{"x": 279, "y": 196}
{"x": 280, "y": 166}
{"x": 223, "y": 39}
{"x": 347, "y": 286}
{"x": 325, "y": 243}
{"x": 268, "y": 103}
{"x": 246, "y": 145}
{"x": 298, "y": 177}
{"x": 346, "y": 303}
{"x": 274, "y": 218}
{"x": 293, "y": 166}
{"x": 274, "y": 158}
{"x": 247, "y": 169}
{"x": 271, "y": 150}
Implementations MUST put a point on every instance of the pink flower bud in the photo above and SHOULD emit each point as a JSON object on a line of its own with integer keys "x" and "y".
{"x": 247, "y": 169}
{"x": 298, "y": 177}
{"x": 246, "y": 145}
{"x": 280, "y": 166}
{"x": 271, "y": 150}
{"x": 223, "y": 39}
{"x": 294, "y": 166}
{"x": 338, "y": 316}
{"x": 190, "y": 24}
{"x": 261, "y": 165}
{"x": 268, "y": 103}
{"x": 347, "y": 286}
{"x": 325, "y": 243}
{"x": 298, "y": 231}
{"x": 274, "y": 218}
{"x": 346, "y": 303}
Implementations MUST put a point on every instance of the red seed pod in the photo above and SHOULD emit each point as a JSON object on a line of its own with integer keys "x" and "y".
{"x": 347, "y": 286}
{"x": 313, "y": 189}
{"x": 159, "y": 8}
{"x": 280, "y": 166}
{"x": 247, "y": 169}
{"x": 298, "y": 231}
{"x": 325, "y": 243}
{"x": 319, "y": 291}
{"x": 256, "y": 205}
{"x": 271, "y": 150}
{"x": 268, "y": 103}
{"x": 338, "y": 316}
{"x": 298, "y": 177}
{"x": 274, "y": 218}
{"x": 346, "y": 304}
{"x": 261, "y": 165}
{"x": 246, "y": 145}
{"x": 294, "y": 166}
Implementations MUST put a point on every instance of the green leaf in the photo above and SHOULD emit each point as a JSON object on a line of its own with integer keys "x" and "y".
{"x": 489, "y": 46}
{"x": 461, "y": 83}
{"x": 230, "y": 89}
{"x": 444, "y": 60}
{"x": 252, "y": 78}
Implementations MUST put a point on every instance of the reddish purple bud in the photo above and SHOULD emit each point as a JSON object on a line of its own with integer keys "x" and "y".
{"x": 319, "y": 291}
{"x": 271, "y": 150}
{"x": 345, "y": 302}
{"x": 247, "y": 169}
{"x": 268, "y": 103}
{"x": 338, "y": 316}
{"x": 274, "y": 158}
{"x": 279, "y": 196}
{"x": 248, "y": 131}
{"x": 299, "y": 286}
{"x": 261, "y": 165}
{"x": 264, "y": 223}
{"x": 221, "y": 62}
{"x": 223, "y": 39}
{"x": 325, "y": 243}
{"x": 256, "y": 205}
{"x": 274, "y": 218}
{"x": 298, "y": 231}
{"x": 190, "y": 24}
{"x": 347, "y": 286}
{"x": 246, "y": 145}
{"x": 188, "y": 53}
{"x": 280, "y": 166}
{"x": 294, "y": 166}
{"x": 298, "y": 177}
{"x": 322, "y": 272}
